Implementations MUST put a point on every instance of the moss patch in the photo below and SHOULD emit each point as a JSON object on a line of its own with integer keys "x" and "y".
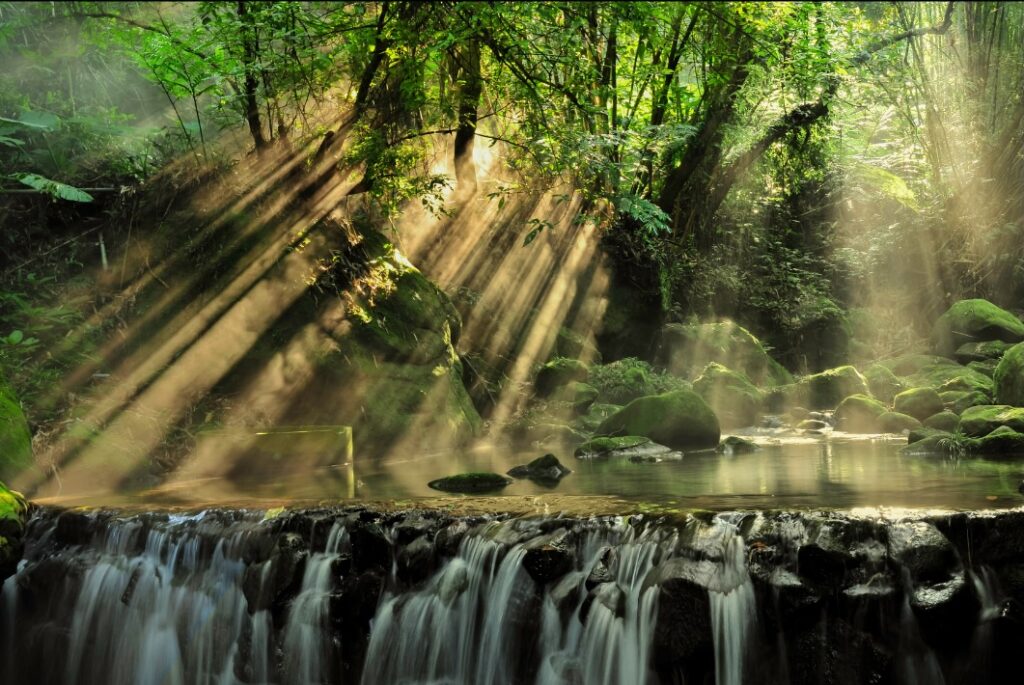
{"x": 883, "y": 383}
{"x": 605, "y": 446}
{"x": 559, "y": 372}
{"x": 1009, "y": 377}
{"x": 944, "y": 421}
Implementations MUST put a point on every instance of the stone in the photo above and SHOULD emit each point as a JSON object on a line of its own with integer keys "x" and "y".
{"x": 979, "y": 421}
{"x": 918, "y": 402}
{"x": 827, "y": 389}
{"x": 736, "y": 445}
{"x": 578, "y": 394}
{"x": 684, "y": 349}
{"x": 734, "y": 399}
{"x": 1009, "y": 377}
{"x": 939, "y": 373}
{"x": 958, "y": 401}
{"x": 470, "y": 483}
{"x": 559, "y": 372}
{"x": 628, "y": 446}
{"x": 923, "y": 550}
{"x": 859, "y": 414}
{"x": 981, "y": 351}
{"x": 416, "y": 561}
{"x": 812, "y": 425}
{"x": 918, "y": 434}
{"x": 1003, "y": 441}
{"x": 545, "y": 469}
{"x": 943, "y": 421}
{"x": 681, "y": 420}
{"x": 974, "y": 321}
{"x": 882, "y": 382}
{"x": 550, "y": 557}
{"x": 596, "y": 413}
{"x": 894, "y": 422}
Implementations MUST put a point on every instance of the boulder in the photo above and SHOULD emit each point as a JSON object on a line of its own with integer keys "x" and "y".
{"x": 549, "y": 557}
{"x": 624, "y": 446}
{"x": 859, "y": 414}
{"x": 918, "y": 402}
{"x": 470, "y": 483}
{"x": 981, "y": 351}
{"x": 987, "y": 367}
{"x": 827, "y": 389}
{"x": 1009, "y": 377}
{"x": 943, "y": 421}
{"x": 894, "y": 422}
{"x": 736, "y": 445}
{"x": 1000, "y": 442}
{"x": 812, "y": 425}
{"x": 882, "y": 382}
{"x": 596, "y": 413}
{"x": 13, "y": 518}
{"x": 921, "y": 549}
{"x": 569, "y": 343}
{"x": 919, "y": 434}
{"x": 577, "y": 394}
{"x": 680, "y": 419}
{"x": 734, "y": 399}
{"x": 559, "y": 372}
{"x": 546, "y": 469}
{"x": 15, "y": 437}
{"x": 979, "y": 421}
{"x": 958, "y": 401}
{"x": 974, "y": 321}
{"x": 939, "y": 373}
{"x": 685, "y": 349}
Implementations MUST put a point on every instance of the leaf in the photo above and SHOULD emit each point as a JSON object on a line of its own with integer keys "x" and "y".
{"x": 41, "y": 121}
{"x": 56, "y": 189}
{"x": 15, "y": 337}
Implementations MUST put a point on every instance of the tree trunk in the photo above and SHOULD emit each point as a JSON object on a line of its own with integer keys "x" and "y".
{"x": 469, "y": 103}
{"x": 251, "y": 85}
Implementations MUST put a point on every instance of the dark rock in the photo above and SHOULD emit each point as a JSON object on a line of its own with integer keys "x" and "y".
{"x": 470, "y": 483}
{"x": 736, "y": 445}
{"x": 812, "y": 425}
{"x": 370, "y": 547}
{"x": 679, "y": 419}
{"x": 416, "y": 561}
{"x": 918, "y": 402}
{"x": 559, "y": 372}
{"x": 608, "y": 595}
{"x": 923, "y": 550}
{"x": 544, "y": 469}
{"x": 550, "y": 557}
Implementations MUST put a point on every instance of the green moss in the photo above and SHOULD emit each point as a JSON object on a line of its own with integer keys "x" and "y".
{"x": 559, "y": 372}
{"x": 827, "y": 389}
{"x": 734, "y": 399}
{"x": 919, "y": 434}
{"x": 894, "y": 422}
{"x": 604, "y": 446}
{"x": 944, "y": 420}
{"x": 918, "y": 402}
{"x": 624, "y": 380}
{"x": 974, "y": 321}
{"x": 15, "y": 437}
{"x": 882, "y": 382}
{"x": 859, "y": 414}
{"x": 685, "y": 349}
{"x": 596, "y": 413}
{"x": 680, "y": 419}
{"x": 987, "y": 367}
{"x": 982, "y": 420}
{"x": 470, "y": 483}
{"x": 1002, "y": 441}
{"x": 991, "y": 350}
{"x": 1009, "y": 377}
{"x": 569, "y": 343}
{"x": 958, "y": 401}
{"x": 939, "y": 373}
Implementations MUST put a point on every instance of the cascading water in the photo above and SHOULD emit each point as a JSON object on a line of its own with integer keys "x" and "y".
{"x": 350, "y": 596}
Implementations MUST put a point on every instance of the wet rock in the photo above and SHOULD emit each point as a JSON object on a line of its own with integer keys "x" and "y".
{"x": 894, "y": 422}
{"x": 470, "y": 483}
{"x": 883, "y": 383}
{"x": 859, "y": 414}
{"x": 920, "y": 434}
{"x": 682, "y": 633}
{"x": 1000, "y": 442}
{"x": 827, "y": 389}
{"x": 736, "y": 445}
{"x": 923, "y": 550}
{"x": 1009, "y": 377}
{"x": 566, "y": 591}
{"x": 608, "y": 595}
{"x": 414, "y": 526}
{"x": 623, "y": 446}
{"x": 974, "y": 321}
{"x": 370, "y": 546}
{"x": 812, "y": 425}
{"x": 416, "y": 561}
{"x": 545, "y": 469}
{"x": 982, "y": 420}
{"x": 981, "y": 351}
{"x": 735, "y": 400}
{"x": 943, "y": 421}
{"x": 272, "y": 583}
{"x": 550, "y": 557}
{"x": 75, "y": 527}
{"x": 602, "y": 571}
{"x": 946, "y": 611}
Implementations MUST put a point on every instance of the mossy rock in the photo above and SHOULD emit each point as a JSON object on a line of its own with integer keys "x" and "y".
{"x": 918, "y": 402}
{"x": 894, "y": 422}
{"x": 936, "y": 444}
{"x": 974, "y": 321}
{"x": 569, "y": 343}
{"x": 559, "y": 372}
{"x": 1009, "y": 377}
{"x": 579, "y": 395}
{"x": 918, "y": 434}
{"x": 545, "y": 469}
{"x": 990, "y": 350}
{"x": 15, "y": 437}
{"x": 681, "y": 420}
{"x": 859, "y": 414}
{"x": 1002, "y": 441}
{"x": 987, "y": 367}
{"x": 827, "y": 389}
{"x": 958, "y": 401}
{"x": 13, "y": 519}
{"x": 944, "y": 421}
{"x": 597, "y": 448}
{"x": 596, "y": 413}
{"x": 470, "y": 483}
{"x": 812, "y": 425}
{"x": 734, "y": 399}
{"x": 979, "y": 421}
{"x": 685, "y": 349}
{"x": 931, "y": 371}
{"x": 883, "y": 383}
{"x": 736, "y": 445}
{"x": 624, "y": 380}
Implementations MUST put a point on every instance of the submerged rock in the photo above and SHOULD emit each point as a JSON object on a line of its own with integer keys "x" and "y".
{"x": 680, "y": 419}
{"x": 812, "y": 425}
{"x": 859, "y": 414}
{"x": 974, "y": 321}
{"x": 1009, "y": 377}
{"x": 545, "y": 469}
{"x": 632, "y": 446}
{"x": 470, "y": 483}
{"x": 550, "y": 557}
{"x": 918, "y": 402}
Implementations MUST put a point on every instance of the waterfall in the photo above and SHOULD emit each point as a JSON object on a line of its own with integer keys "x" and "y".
{"x": 326, "y": 596}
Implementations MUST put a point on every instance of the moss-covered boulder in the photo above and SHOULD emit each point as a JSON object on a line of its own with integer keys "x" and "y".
{"x": 919, "y": 434}
{"x": 859, "y": 414}
{"x": 944, "y": 421}
{"x": 883, "y": 383}
{"x": 958, "y": 401}
{"x": 680, "y": 419}
{"x": 735, "y": 400}
{"x": 981, "y": 351}
{"x": 939, "y": 373}
{"x": 15, "y": 437}
{"x": 1009, "y": 377}
{"x": 918, "y": 402}
{"x": 596, "y": 413}
{"x": 827, "y": 389}
{"x": 685, "y": 349}
{"x": 559, "y": 372}
{"x": 470, "y": 483}
{"x": 894, "y": 422}
{"x": 1003, "y": 441}
{"x": 974, "y": 321}
{"x": 13, "y": 518}
{"x": 981, "y": 420}
{"x": 620, "y": 446}
{"x": 987, "y": 367}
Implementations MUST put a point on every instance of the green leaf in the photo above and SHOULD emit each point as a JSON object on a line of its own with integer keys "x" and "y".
{"x": 41, "y": 121}
{"x": 55, "y": 189}
{"x": 15, "y": 337}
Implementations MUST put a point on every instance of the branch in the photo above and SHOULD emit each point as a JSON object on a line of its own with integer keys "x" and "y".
{"x": 938, "y": 29}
